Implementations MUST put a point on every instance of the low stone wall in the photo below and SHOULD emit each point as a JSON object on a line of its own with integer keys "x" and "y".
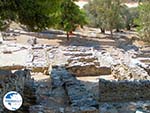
{"x": 13, "y": 67}
{"x": 80, "y": 99}
{"x": 89, "y": 70}
{"x": 124, "y": 90}
{"x": 87, "y": 66}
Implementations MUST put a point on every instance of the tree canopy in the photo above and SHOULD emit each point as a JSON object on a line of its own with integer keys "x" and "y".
{"x": 105, "y": 14}
{"x": 71, "y": 16}
{"x": 144, "y": 21}
{"x": 35, "y": 14}
{"x": 38, "y": 14}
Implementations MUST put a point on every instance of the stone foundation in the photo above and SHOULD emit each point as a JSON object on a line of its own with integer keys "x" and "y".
{"x": 124, "y": 90}
{"x": 87, "y": 66}
{"x": 89, "y": 70}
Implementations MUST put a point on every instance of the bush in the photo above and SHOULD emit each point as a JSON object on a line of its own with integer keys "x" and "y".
{"x": 144, "y": 21}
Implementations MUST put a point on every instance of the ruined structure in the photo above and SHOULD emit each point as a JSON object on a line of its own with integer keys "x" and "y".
{"x": 124, "y": 90}
{"x": 80, "y": 99}
{"x": 84, "y": 62}
{"x": 64, "y": 65}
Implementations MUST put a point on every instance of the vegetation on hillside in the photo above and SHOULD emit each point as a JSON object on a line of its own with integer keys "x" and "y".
{"x": 38, "y": 15}
{"x": 144, "y": 21}
{"x": 109, "y": 15}
{"x": 35, "y": 14}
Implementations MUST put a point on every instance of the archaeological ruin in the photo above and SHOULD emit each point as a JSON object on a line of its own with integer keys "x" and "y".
{"x": 75, "y": 78}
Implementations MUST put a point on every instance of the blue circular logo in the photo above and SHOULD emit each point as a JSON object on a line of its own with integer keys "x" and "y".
{"x": 12, "y": 100}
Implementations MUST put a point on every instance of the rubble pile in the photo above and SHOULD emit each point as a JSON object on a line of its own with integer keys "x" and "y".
{"x": 125, "y": 72}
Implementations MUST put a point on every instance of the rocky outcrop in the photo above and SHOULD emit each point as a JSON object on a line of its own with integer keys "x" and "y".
{"x": 124, "y": 90}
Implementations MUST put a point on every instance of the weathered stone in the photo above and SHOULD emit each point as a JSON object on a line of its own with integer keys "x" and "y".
{"x": 37, "y": 59}
{"x": 105, "y": 59}
{"x": 59, "y": 95}
{"x": 17, "y": 81}
{"x": 79, "y": 97}
{"x": 13, "y": 67}
{"x": 146, "y": 68}
{"x": 82, "y": 59}
{"x": 42, "y": 109}
{"x": 76, "y": 54}
{"x": 89, "y": 70}
{"x": 105, "y": 70}
{"x": 85, "y": 62}
{"x": 88, "y": 110}
{"x": 32, "y": 41}
{"x": 106, "y": 108}
{"x": 124, "y": 90}
{"x": 4, "y": 74}
{"x": 125, "y": 72}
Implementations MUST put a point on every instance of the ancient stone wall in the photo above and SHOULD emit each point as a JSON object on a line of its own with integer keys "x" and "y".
{"x": 13, "y": 82}
{"x": 124, "y": 90}
{"x": 83, "y": 62}
{"x": 80, "y": 99}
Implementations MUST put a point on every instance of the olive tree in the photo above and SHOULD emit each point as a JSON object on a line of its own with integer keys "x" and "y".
{"x": 105, "y": 14}
{"x": 71, "y": 16}
{"x": 144, "y": 21}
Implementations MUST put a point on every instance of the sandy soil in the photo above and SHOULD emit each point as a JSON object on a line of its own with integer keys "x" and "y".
{"x": 23, "y": 39}
{"x": 39, "y": 77}
{"x": 95, "y": 78}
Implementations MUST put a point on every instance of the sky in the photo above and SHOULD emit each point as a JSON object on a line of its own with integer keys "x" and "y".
{"x": 81, "y": 3}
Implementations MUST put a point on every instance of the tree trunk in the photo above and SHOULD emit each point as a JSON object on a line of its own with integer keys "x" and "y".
{"x": 102, "y": 30}
{"x": 117, "y": 30}
{"x": 71, "y": 33}
{"x": 68, "y": 36}
{"x": 128, "y": 27}
{"x": 111, "y": 33}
